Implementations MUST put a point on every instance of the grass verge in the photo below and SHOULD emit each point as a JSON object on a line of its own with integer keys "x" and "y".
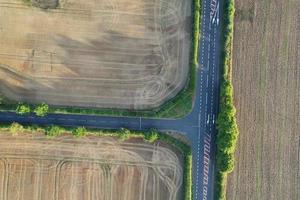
{"x": 123, "y": 134}
{"x": 226, "y": 123}
{"x": 177, "y": 107}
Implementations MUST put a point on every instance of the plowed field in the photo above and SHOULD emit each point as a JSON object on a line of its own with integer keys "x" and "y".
{"x": 95, "y": 53}
{"x": 87, "y": 169}
{"x": 266, "y": 73}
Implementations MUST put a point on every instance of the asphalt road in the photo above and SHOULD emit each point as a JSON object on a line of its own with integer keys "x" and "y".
{"x": 198, "y": 126}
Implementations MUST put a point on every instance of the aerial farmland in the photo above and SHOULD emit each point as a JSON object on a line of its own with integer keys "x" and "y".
{"x": 266, "y": 77}
{"x": 33, "y": 166}
{"x": 85, "y": 53}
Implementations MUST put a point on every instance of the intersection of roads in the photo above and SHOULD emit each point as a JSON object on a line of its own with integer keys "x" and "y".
{"x": 198, "y": 126}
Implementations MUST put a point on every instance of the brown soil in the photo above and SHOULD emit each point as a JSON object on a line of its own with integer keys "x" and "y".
{"x": 90, "y": 168}
{"x": 266, "y": 76}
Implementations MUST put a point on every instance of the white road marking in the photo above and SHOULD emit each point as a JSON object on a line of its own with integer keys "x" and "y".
{"x": 207, "y": 82}
{"x": 218, "y": 13}
{"x": 206, "y": 163}
{"x": 215, "y": 17}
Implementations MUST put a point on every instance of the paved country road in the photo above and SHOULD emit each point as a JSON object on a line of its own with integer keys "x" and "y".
{"x": 198, "y": 126}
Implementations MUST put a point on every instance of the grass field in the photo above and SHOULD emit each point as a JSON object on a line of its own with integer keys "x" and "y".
{"x": 266, "y": 77}
{"x": 105, "y": 53}
{"x": 89, "y": 168}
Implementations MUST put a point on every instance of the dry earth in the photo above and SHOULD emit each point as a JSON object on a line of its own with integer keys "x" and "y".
{"x": 95, "y": 53}
{"x": 92, "y": 168}
{"x": 266, "y": 73}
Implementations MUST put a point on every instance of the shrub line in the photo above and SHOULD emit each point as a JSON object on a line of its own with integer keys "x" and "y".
{"x": 226, "y": 123}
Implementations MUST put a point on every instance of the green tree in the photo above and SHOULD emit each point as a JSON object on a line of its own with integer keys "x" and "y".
{"x": 225, "y": 162}
{"x": 23, "y": 109}
{"x": 41, "y": 110}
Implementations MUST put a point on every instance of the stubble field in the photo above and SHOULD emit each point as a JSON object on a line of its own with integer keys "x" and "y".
{"x": 89, "y": 168}
{"x": 266, "y": 77}
{"x": 95, "y": 53}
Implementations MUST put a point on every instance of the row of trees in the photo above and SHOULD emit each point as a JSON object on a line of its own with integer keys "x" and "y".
{"x": 40, "y": 110}
{"x": 226, "y": 122}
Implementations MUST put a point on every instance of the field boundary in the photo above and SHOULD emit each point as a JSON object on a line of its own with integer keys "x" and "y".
{"x": 177, "y": 107}
{"x": 150, "y": 136}
{"x": 226, "y": 123}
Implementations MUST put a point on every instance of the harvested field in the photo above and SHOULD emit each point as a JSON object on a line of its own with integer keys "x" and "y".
{"x": 88, "y": 168}
{"x": 266, "y": 77}
{"x": 130, "y": 54}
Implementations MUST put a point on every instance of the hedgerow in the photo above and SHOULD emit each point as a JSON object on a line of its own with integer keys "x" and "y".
{"x": 226, "y": 123}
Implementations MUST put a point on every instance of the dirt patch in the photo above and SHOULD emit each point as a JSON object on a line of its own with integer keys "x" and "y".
{"x": 87, "y": 168}
{"x": 45, "y": 4}
{"x": 109, "y": 53}
{"x": 266, "y": 77}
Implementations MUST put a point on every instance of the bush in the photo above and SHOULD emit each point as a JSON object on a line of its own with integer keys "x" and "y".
{"x": 225, "y": 162}
{"x": 79, "y": 132}
{"x": 124, "y": 134}
{"x": 41, "y": 110}
{"x": 16, "y": 128}
{"x": 151, "y": 136}
{"x": 22, "y": 109}
{"x": 53, "y": 131}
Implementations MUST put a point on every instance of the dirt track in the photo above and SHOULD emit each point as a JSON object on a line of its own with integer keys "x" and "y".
{"x": 266, "y": 72}
{"x": 87, "y": 169}
{"x": 104, "y": 53}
